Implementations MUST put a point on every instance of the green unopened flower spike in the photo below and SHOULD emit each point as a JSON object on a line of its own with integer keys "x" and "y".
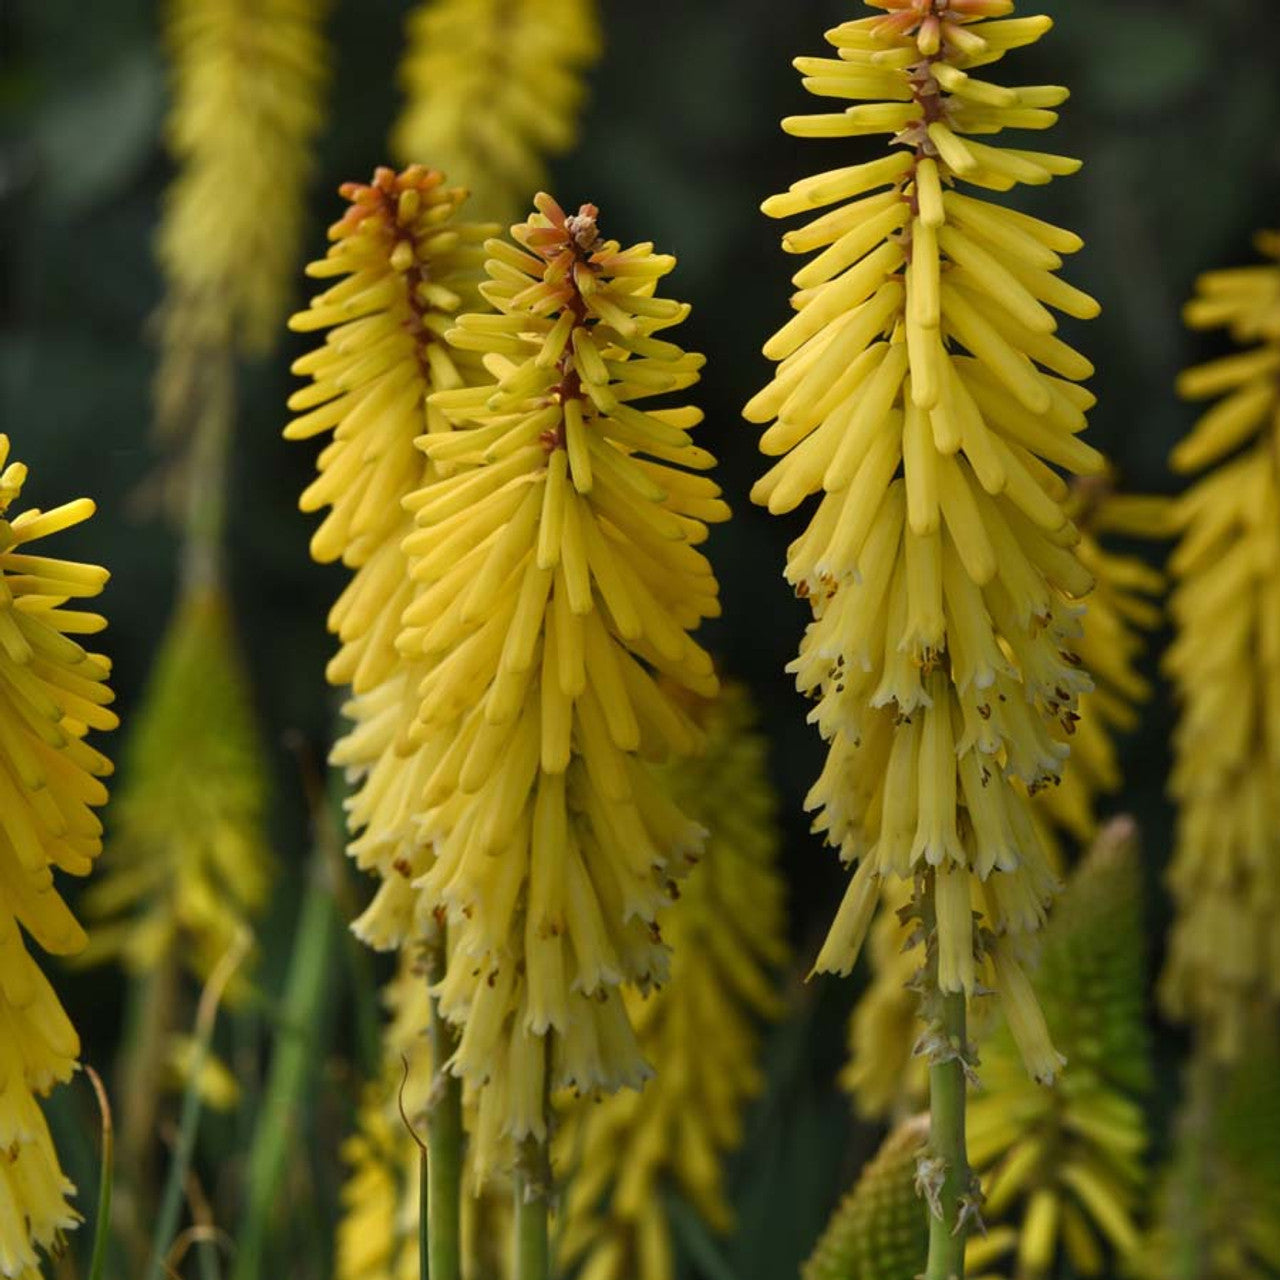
{"x": 493, "y": 89}
{"x": 877, "y": 1232}
{"x": 1066, "y": 1165}
{"x": 52, "y": 693}
{"x": 699, "y": 1032}
{"x": 558, "y": 580}
{"x": 187, "y": 864}
{"x": 1223, "y": 969}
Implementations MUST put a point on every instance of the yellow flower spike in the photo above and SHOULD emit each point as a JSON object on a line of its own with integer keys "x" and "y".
{"x": 52, "y": 692}
{"x": 941, "y": 564}
{"x": 699, "y": 1031}
{"x": 557, "y": 637}
{"x": 247, "y": 79}
{"x": 1221, "y": 970}
{"x": 493, "y": 89}
{"x": 401, "y": 264}
{"x": 187, "y": 864}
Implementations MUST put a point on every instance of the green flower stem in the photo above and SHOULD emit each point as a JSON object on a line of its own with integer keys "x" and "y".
{"x": 293, "y": 1064}
{"x": 947, "y": 1231}
{"x": 205, "y": 472}
{"x": 533, "y": 1198}
{"x": 444, "y": 1141}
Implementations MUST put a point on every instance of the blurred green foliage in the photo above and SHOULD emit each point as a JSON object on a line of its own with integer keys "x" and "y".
{"x": 1175, "y": 110}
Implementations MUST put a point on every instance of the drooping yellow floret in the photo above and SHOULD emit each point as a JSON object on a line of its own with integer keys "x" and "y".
{"x": 923, "y": 393}
{"x": 247, "y": 80}
{"x": 1223, "y": 966}
{"x": 493, "y": 89}
{"x": 52, "y": 692}
{"x": 188, "y": 863}
{"x": 882, "y": 1074}
{"x": 377, "y": 1237}
{"x": 698, "y": 1032}
{"x": 405, "y": 264}
{"x": 558, "y": 579}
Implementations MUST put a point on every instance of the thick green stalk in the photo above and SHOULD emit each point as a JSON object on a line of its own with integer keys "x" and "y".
{"x": 533, "y": 1198}
{"x": 444, "y": 1141}
{"x": 947, "y": 1149}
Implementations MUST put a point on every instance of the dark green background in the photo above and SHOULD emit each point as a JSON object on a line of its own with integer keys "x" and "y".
{"x": 1176, "y": 111}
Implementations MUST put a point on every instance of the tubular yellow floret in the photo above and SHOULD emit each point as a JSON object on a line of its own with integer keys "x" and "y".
{"x": 556, "y": 635}
{"x": 1223, "y": 968}
{"x": 699, "y": 1032}
{"x": 922, "y": 393}
{"x": 493, "y": 88}
{"x": 401, "y": 265}
{"x": 52, "y": 692}
{"x": 247, "y": 83}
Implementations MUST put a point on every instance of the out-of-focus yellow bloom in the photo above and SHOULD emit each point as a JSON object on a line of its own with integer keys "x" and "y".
{"x": 1218, "y": 1205}
{"x": 377, "y": 1237}
{"x": 493, "y": 88}
{"x": 52, "y": 692}
{"x": 1224, "y": 951}
{"x": 1066, "y": 1164}
{"x": 877, "y": 1232}
{"x": 187, "y": 864}
{"x": 247, "y": 79}
{"x": 922, "y": 391}
{"x": 558, "y": 580}
{"x": 727, "y": 933}
{"x": 405, "y": 263}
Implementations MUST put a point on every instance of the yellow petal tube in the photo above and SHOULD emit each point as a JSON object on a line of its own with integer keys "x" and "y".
{"x": 727, "y": 934}
{"x": 493, "y": 89}
{"x": 401, "y": 265}
{"x": 247, "y": 82}
{"x": 1223, "y": 967}
{"x": 922, "y": 394}
{"x": 556, "y": 627}
{"x": 52, "y": 692}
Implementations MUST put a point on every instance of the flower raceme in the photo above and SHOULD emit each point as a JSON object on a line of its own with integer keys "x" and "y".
{"x": 247, "y": 84}
{"x": 558, "y": 579}
{"x": 403, "y": 264}
{"x": 923, "y": 392}
{"x": 494, "y": 87}
{"x": 1224, "y": 966}
{"x": 727, "y": 934}
{"x": 52, "y": 692}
